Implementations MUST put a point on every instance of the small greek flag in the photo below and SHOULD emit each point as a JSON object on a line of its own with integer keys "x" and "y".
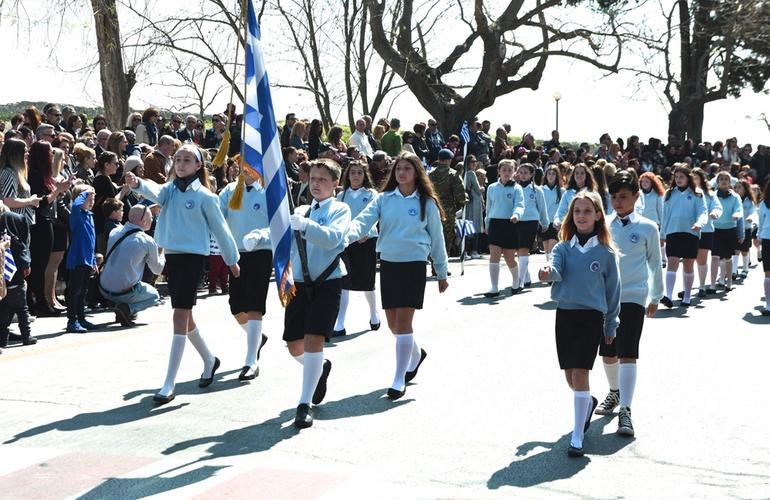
{"x": 464, "y": 228}
{"x": 10, "y": 266}
{"x": 465, "y": 134}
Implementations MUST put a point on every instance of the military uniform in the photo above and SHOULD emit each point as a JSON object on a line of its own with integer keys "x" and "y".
{"x": 451, "y": 193}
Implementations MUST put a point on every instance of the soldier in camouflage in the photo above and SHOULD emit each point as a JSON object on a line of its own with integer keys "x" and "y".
{"x": 450, "y": 191}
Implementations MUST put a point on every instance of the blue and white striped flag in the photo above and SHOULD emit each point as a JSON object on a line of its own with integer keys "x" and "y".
{"x": 262, "y": 156}
{"x": 464, "y": 227}
{"x": 465, "y": 135}
{"x": 10, "y": 266}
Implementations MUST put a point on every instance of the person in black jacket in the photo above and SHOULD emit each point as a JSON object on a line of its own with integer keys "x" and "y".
{"x": 16, "y": 227}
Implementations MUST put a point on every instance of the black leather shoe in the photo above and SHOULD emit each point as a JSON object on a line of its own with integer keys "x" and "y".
{"x": 374, "y": 326}
{"x": 765, "y": 312}
{"x": 394, "y": 394}
{"x": 161, "y": 399}
{"x": 684, "y": 304}
{"x": 206, "y": 381}
{"x": 527, "y": 284}
{"x": 594, "y": 404}
{"x": 320, "y": 389}
{"x": 575, "y": 452}
{"x": 701, "y": 293}
{"x": 680, "y": 295}
{"x": 515, "y": 291}
{"x": 248, "y": 373}
{"x": 264, "y": 341}
{"x": 490, "y": 295}
{"x": 410, "y": 375}
{"x": 667, "y": 302}
{"x": 304, "y": 417}
{"x": 711, "y": 291}
{"x": 46, "y": 311}
{"x": 339, "y": 333}
{"x": 29, "y": 341}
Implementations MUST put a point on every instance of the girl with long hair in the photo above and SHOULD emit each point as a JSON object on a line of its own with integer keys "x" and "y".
{"x": 532, "y": 221}
{"x": 706, "y": 242}
{"x": 580, "y": 179}
{"x": 586, "y": 286}
{"x": 552, "y": 191}
{"x": 728, "y": 233}
{"x": 410, "y": 214}
{"x": 13, "y": 180}
{"x": 749, "y": 202}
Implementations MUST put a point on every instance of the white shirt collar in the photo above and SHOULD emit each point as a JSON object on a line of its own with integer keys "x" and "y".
{"x": 633, "y": 217}
{"x": 592, "y": 242}
{"x": 323, "y": 203}
{"x": 355, "y": 193}
{"x": 195, "y": 185}
{"x": 397, "y": 192}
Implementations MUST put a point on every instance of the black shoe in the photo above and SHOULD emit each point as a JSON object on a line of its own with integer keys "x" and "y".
{"x": 765, "y": 312}
{"x": 515, "y": 291}
{"x": 490, "y": 295}
{"x": 88, "y": 325}
{"x": 685, "y": 304}
{"x": 264, "y": 341}
{"x": 701, "y": 293}
{"x": 59, "y": 310}
{"x": 320, "y": 390}
{"x": 410, "y": 375}
{"x": 304, "y": 417}
{"x": 667, "y": 302}
{"x": 248, "y": 373}
{"x": 123, "y": 314}
{"x": 15, "y": 337}
{"x": 394, "y": 394}
{"x": 527, "y": 284}
{"x": 374, "y": 326}
{"x": 680, "y": 295}
{"x": 161, "y": 399}
{"x": 46, "y": 311}
{"x": 206, "y": 381}
{"x": 711, "y": 291}
{"x": 339, "y": 333}
{"x": 594, "y": 404}
{"x": 575, "y": 452}
{"x": 29, "y": 341}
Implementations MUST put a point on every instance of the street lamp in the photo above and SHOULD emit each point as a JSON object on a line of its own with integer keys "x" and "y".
{"x": 557, "y": 98}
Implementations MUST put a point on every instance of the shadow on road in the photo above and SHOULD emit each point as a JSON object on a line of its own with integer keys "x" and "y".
{"x": 141, "y": 487}
{"x": 554, "y": 464}
{"x": 479, "y": 298}
{"x": 191, "y": 386}
{"x": 756, "y": 319}
{"x": 345, "y": 338}
{"x": 547, "y": 306}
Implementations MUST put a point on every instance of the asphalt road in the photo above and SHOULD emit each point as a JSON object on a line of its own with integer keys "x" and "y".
{"x": 488, "y": 416}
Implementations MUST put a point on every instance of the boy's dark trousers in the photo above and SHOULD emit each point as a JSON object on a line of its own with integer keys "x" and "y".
{"x": 76, "y": 292}
{"x": 15, "y": 302}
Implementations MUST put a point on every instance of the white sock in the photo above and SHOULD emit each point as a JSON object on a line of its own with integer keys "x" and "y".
{"x": 174, "y": 360}
{"x": 494, "y": 276}
{"x": 663, "y": 255}
{"x": 314, "y": 364}
{"x": 300, "y": 359}
{"x": 611, "y": 370}
{"x": 371, "y": 298}
{"x": 714, "y": 271}
{"x": 670, "y": 282}
{"x": 515, "y": 277}
{"x": 404, "y": 345}
{"x": 523, "y": 270}
{"x": 722, "y": 270}
{"x": 548, "y": 256}
{"x": 627, "y": 383}
{"x": 702, "y": 272}
{"x": 735, "y": 263}
{"x": 200, "y": 345}
{"x": 767, "y": 293}
{"x": 243, "y": 325}
{"x": 253, "y": 341}
{"x": 745, "y": 259}
{"x": 689, "y": 278}
{"x": 582, "y": 405}
{"x": 344, "y": 299}
{"x": 416, "y": 355}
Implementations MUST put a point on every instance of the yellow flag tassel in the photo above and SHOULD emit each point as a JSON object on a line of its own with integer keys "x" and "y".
{"x": 237, "y": 199}
{"x": 221, "y": 158}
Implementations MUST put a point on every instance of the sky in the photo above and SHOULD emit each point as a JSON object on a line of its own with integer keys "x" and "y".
{"x": 591, "y": 104}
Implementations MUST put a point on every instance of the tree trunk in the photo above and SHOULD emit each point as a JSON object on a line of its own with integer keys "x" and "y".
{"x": 676, "y": 124}
{"x": 116, "y": 84}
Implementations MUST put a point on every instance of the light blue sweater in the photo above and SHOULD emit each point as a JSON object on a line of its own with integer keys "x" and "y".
{"x": 653, "y": 206}
{"x": 566, "y": 198}
{"x": 357, "y": 200}
{"x": 535, "y": 207}
{"x": 641, "y": 276}
{"x": 552, "y": 200}
{"x": 732, "y": 212}
{"x": 764, "y": 222}
{"x": 682, "y": 211}
{"x": 251, "y": 217}
{"x": 713, "y": 207}
{"x": 503, "y": 202}
{"x": 749, "y": 212}
{"x": 404, "y": 235}
{"x": 186, "y": 219}
{"x": 325, "y": 236}
{"x": 589, "y": 280}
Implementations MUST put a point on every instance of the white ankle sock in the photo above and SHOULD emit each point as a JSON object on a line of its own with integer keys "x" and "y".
{"x": 174, "y": 360}
{"x": 253, "y": 341}
{"x": 611, "y": 370}
{"x": 404, "y": 344}
{"x": 344, "y": 299}
{"x": 627, "y": 383}
{"x": 582, "y": 405}
{"x": 702, "y": 272}
{"x": 523, "y": 270}
{"x": 689, "y": 278}
{"x": 314, "y": 363}
{"x": 371, "y": 299}
{"x": 767, "y": 293}
{"x": 200, "y": 345}
{"x": 494, "y": 276}
{"x": 670, "y": 282}
{"x": 300, "y": 359}
{"x": 414, "y": 360}
{"x": 515, "y": 282}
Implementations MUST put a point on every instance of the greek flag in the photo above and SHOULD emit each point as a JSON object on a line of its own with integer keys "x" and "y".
{"x": 10, "y": 266}
{"x": 262, "y": 156}
{"x": 465, "y": 134}
{"x": 464, "y": 228}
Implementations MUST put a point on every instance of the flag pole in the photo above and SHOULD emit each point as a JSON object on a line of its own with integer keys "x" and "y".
{"x": 462, "y": 217}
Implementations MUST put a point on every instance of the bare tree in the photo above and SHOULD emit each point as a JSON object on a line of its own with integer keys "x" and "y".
{"x": 193, "y": 86}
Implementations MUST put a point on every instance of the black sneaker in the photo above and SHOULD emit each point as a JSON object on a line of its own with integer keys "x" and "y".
{"x": 610, "y": 403}
{"x": 320, "y": 389}
{"x": 625, "y": 424}
{"x": 667, "y": 302}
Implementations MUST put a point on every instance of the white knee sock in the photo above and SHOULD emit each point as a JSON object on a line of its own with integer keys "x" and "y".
{"x": 767, "y": 293}
{"x": 722, "y": 270}
{"x": 371, "y": 299}
{"x": 414, "y": 360}
{"x": 344, "y": 299}
{"x": 494, "y": 276}
{"x": 582, "y": 405}
{"x": 300, "y": 358}
{"x": 200, "y": 345}
{"x": 745, "y": 259}
{"x": 174, "y": 360}
{"x": 670, "y": 282}
{"x": 404, "y": 345}
{"x": 548, "y": 256}
{"x": 515, "y": 283}
{"x": 735, "y": 263}
{"x": 611, "y": 370}
{"x": 314, "y": 363}
{"x": 702, "y": 272}
{"x": 689, "y": 278}
{"x": 523, "y": 270}
{"x": 253, "y": 341}
{"x": 627, "y": 383}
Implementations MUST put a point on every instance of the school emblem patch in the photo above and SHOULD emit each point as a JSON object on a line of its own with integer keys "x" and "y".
{"x": 509, "y": 195}
{"x": 412, "y": 212}
{"x": 365, "y": 200}
{"x": 321, "y": 221}
{"x": 532, "y": 196}
{"x": 189, "y": 204}
{"x": 689, "y": 197}
{"x": 595, "y": 266}
{"x": 634, "y": 238}
{"x": 257, "y": 206}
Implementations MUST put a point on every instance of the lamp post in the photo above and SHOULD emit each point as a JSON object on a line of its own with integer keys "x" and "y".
{"x": 557, "y": 98}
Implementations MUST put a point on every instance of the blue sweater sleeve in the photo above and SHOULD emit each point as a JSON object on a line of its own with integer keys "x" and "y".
{"x": 561, "y": 213}
{"x": 364, "y": 221}
{"x": 655, "y": 270}
{"x": 218, "y": 226}
{"x": 612, "y": 291}
{"x": 150, "y": 190}
{"x": 518, "y": 202}
{"x": 332, "y": 235}
{"x": 437, "y": 246}
{"x": 715, "y": 208}
{"x": 659, "y": 207}
{"x": 557, "y": 262}
{"x": 701, "y": 212}
{"x": 541, "y": 205}
{"x": 490, "y": 205}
